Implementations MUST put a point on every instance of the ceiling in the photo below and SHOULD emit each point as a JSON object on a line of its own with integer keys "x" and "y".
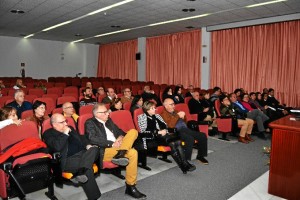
{"x": 135, "y": 15}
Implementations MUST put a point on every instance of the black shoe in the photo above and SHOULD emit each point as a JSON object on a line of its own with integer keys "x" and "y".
{"x": 79, "y": 179}
{"x": 191, "y": 167}
{"x": 133, "y": 191}
{"x": 203, "y": 160}
{"x": 261, "y": 135}
{"x": 119, "y": 158}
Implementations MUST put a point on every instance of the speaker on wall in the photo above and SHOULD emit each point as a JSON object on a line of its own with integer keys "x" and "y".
{"x": 138, "y": 56}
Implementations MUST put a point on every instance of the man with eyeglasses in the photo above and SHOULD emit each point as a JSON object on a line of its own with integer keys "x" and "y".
{"x": 177, "y": 119}
{"x": 115, "y": 145}
{"x": 126, "y": 96}
{"x": 111, "y": 95}
{"x": 69, "y": 111}
{"x": 77, "y": 155}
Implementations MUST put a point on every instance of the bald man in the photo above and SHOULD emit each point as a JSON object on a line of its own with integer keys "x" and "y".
{"x": 177, "y": 119}
{"x": 77, "y": 155}
{"x": 69, "y": 111}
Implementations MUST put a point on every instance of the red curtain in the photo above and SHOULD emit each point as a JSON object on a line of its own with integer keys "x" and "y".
{"x": 257, "y": 57}
{"x": 174, "y": 58}
{"x": 117, "y": 60}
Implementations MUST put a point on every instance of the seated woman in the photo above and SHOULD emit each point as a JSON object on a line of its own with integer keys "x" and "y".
{"x": 178, "y": 96}
{"x": 8, "y": 115}
{"x": 153, "y": 124}
{"x": 116, "y": 105}
{"x": 227, "y": 109}
{"x": 136, "y": 103}
{"x": 168, "y": 93}
{"x": 39, "y": 114}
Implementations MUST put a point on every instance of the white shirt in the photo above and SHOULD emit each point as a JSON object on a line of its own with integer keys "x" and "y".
{"x": 5, "y": 123}
{"x": 110, "y": 136}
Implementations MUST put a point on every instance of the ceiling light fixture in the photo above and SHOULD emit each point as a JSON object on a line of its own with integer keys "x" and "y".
{"x": 17, "y": 11}
{"x": 57, "y": 25}
{"x": 114, "y": 32}
{"x": 265, "y": 3}
{"x": 180, "y": 19}
{"x": 28, "y": 36}
{"x": 109, "y": 7}
{"x": 77, "y": 41}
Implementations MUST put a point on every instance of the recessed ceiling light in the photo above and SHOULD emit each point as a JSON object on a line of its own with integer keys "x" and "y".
{"x": 78, "y": 35}
{"x": 188, "y": 9}
{"x": 189, "y": 27}
{"x": 17, "y": 11}
{"x": 115, "y": 26}
{"x": 22, "y": 34}
{"x": 190, "y": 0}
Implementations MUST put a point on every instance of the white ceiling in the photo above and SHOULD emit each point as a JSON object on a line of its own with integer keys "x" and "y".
{"x": 41, "y": 14}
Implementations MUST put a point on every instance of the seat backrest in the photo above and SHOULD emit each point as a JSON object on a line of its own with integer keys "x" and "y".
{"x": 50, "y": 105}
{"x": 64, "y": 99}
{"x": 122, "y": 119}
{"x": 47, "y": 124}
{"x": 86, "y": 109}
{"x": 11, "y": 134}
{"x": 187, "y": 99}
{"x": 81, "y": 121}
{"x": 36, "y": 91}
{"x": 57, "y": 110}
{"x": 27, "y": 113}
{"x": 53, "y": 96}
{"x": 4, "y": 99}
{"x": 184, "y": 107}
{"x": 71, "y": 89}
{"x": 30, "y": 97}
{"x": 136, "y": 113}
{"x": 127, "y": 105}
{"x": 217, "y": 107}
{"x": 55, "y": 90}
{"x": 159, "y": 109}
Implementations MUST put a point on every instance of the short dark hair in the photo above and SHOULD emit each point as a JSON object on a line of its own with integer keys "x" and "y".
{"x": 216, "y": 89}
{"x": 37, "y": 104}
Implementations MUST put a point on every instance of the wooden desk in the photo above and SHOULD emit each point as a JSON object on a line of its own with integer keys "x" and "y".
{"x": 284, "y": 178}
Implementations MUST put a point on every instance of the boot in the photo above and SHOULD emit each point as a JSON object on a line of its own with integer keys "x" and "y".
{"x": 190, "y": 167}
{"x": 243, "y": 140}
{"x": 133, "y": 191}
{"x": 119, "y": 158}
{"x": 247, "y": 137}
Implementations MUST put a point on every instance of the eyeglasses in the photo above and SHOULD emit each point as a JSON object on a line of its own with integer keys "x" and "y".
{"x": 62, "y": 122}
{"x": 104, "y": 112}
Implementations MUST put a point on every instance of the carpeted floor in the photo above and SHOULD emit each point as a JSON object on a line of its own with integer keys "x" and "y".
{"x": 232, "y": 167}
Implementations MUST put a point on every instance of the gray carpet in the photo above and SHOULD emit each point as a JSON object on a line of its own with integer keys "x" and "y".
{"x": 232, "y": 167}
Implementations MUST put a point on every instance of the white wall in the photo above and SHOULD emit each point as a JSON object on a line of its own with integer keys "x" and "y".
{"x": 45, "y": 58}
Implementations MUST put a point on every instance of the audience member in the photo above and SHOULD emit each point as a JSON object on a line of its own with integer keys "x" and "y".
{"x": 167, "y": 93}
{"x": 178, "y": 96}
{"x": 89, "y": 85}
{"x": 265, "y": 90}
{"x": 190, "y": 91}
{"x": 100, "y": 91}
{"x": 39, "y": 114}
{"x": 274, "y": 103}
{"x": 149, "y": 95}
{"x": 87, "y": 98}
{"x": 19, "y": 84}
{"x": 127, "y": 97}
{"x": 69, "y": 111}
{"x": 175, "y": 119}
{"x": 246, "y": 124}
{"x": 19, "y": 103}
{"x": 8, "y": 115}
{"x": 111, "y": 95}
{"x": 238, "y": 93}
{"x": 217, "y": 92}
{"x": 2, "y": 84}
{"x": 196, "y": 107}
{"x": 136, "y": 103}
{"x": 153, "y": 125}
{"x": 115, "y": 145}
{"x": 255, "y": 114}
{"x": 77, "y": 155}
{"x": 116, "y": 105}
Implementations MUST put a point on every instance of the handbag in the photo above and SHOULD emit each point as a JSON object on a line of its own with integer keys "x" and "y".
{"x": 145, "y": 141}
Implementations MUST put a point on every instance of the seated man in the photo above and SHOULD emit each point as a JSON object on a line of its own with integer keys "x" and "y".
{"x": 190, "y": 91}
{"x": 115, "y": 145}
{"x": 19, "y": 84}
{"x": 255, "y": 114}
{"x": 88, "y": 98}
{"x": 175, "y": 119}
{"x": 111, "y": 95}
{"x": 274, "y": 103}
{"x": 19, "y": 103}
{"x": 77, "y": 156}
{"x": 89, "y": 85}
{"x": 149, "y": 95}
{"x": 69, "y": 111}
{"x": 127, "y": 97}
{"x": 196, "y": 107}
{"x": 216, "y": 94}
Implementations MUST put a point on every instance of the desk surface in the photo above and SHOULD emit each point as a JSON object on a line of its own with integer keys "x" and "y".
{"x": 286, "y": 124}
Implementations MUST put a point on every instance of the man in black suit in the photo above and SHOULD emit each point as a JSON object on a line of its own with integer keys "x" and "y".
{"x": 77, "y": 156}
{"x": 114, "y": 145}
